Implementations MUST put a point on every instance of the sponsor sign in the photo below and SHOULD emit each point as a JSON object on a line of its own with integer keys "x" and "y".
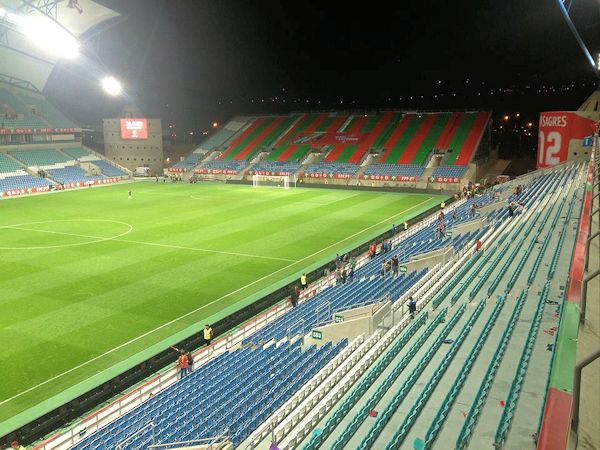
{"x": 317, "y": 335}
{"x": 447, "y": 180}
{"x": 269, "y": 173}
{"x": 216, "y": 171}
{"x": 21, "y": 130}
{"x": 390, "y": 178}
{"x": 402, "y": 269}
{"x": 329, "y": 175}
{"x": 338, "y": 319}
{"x": 561, "y": 133}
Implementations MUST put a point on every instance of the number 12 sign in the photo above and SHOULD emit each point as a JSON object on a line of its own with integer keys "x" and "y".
{"x": 557, "y": 130}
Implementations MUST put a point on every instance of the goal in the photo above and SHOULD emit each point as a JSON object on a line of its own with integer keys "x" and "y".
{"x": 282, "y": 181}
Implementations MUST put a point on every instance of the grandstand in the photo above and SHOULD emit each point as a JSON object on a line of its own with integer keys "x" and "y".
{"x": 387, "y": 148}
{"x": 477, "y": 339}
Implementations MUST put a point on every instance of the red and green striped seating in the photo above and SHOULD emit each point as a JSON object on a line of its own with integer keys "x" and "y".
{"x": 285, "y": 149}
{"x": 259, "y": 135}
{"x": 416, "y": 135}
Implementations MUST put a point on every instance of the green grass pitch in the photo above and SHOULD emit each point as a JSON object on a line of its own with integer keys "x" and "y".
{"x": 90, "y": 278}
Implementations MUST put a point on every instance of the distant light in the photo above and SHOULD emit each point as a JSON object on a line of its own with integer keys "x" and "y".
{"x": 215, "y": 124}
{"x": 191, "y": 133}
{"x": 518, "y": 115}
{"x": 112, "y": 86}
{"x": 529, "y": 124}
{"x": 506, "y": 117}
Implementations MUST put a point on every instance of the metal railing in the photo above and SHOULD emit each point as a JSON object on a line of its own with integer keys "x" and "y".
{"x": 214, "y": 443}
{"x": 122, "y": 444}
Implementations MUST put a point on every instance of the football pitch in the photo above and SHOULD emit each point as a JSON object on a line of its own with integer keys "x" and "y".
{"x": 89, "y": 278}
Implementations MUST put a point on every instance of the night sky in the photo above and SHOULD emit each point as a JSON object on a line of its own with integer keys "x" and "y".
{"x": 193, "y": 61}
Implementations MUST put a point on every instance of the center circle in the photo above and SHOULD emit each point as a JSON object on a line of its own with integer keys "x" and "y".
{"x": 90, "y": 239}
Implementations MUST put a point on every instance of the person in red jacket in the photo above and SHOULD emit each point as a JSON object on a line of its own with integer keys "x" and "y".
{"x": 183, "y": 364}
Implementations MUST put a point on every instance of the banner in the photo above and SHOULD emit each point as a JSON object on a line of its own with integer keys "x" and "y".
{"x": 319, "y": 140}
{"x": 390, "y": 178}
{"x": 216, "y": 171}
{"x": 561, "y": 136}
{"x": 268, "y": 173}
{"x": 4, "y": 130}
{"x": 338, "y": 176}
{"x": 58, "y": 187}
{"x": 176, "y": 169}
{"x": 447, "y": 180}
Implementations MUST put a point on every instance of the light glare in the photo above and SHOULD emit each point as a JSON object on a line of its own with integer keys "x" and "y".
{"x": 48, "y": 35}
{"x": 111, "y": 86}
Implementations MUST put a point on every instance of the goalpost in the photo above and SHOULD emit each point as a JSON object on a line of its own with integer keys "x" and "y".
{"x": 273, "y": 181}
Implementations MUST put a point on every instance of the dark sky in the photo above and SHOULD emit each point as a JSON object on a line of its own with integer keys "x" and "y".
{"x": 210, "y": 59}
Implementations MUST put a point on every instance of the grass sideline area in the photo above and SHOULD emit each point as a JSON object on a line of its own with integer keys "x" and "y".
{"x": 90, "y": 278}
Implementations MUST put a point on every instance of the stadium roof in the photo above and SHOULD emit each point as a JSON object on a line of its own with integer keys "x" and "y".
{"x": 20, "y": 56}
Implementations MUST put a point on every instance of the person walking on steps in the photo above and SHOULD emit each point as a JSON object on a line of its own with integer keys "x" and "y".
{"x": 412, "y": 307}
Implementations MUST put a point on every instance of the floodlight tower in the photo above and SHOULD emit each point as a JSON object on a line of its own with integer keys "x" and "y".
{"x": 565, "y": 7}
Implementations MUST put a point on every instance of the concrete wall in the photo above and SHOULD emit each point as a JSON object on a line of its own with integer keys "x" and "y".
{"x": 350, "y": 323}
{"x": 135, "y": 153}
{"x": 469, "y": 226}
{"x": 430, "y": 259}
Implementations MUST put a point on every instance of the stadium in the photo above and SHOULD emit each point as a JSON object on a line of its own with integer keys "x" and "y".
{"x": 301, "y": 278}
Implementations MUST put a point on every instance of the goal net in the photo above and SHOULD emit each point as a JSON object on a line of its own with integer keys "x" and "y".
{"x": 282, "y": 181}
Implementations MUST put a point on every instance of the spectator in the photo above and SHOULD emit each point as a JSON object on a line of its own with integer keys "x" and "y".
{"x": 412, "y": 307}
{"x": 338, "y": 277}
{"x": 303, "y": 281}
{"x": 338, "y": 260}
{"x": 405, "y": 226}
{"x": 207, "y": 334}
{"x": 394, "y": 229}
{"x": 395, "y": 265}
{"x": 344, "y": 275}
{"x": 351, "y": 274}
{"x": 443, "y": 205}
{"x": 372, "y": 250}
{"x": 454, "y": 215}
{"x": 390, "y": 245}
{"x": 190, "y": 359}
{"x": 15, "y": 444}
{"x": 353, "y": 263}
{"x": 295, "y": 296}
{"x": 472, "y": 210}
{"x": 182, "y": 364}
{"x": 382, "y": 270}
{"x": 477, "y": 245}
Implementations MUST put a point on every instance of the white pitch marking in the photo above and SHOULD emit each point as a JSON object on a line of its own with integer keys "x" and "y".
{"x": 201, "y": 307}
{"x": 116, "y": 238}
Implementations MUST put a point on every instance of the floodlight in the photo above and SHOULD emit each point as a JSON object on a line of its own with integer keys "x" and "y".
{"x": 112, "y": 86}
{"x": 48, "y": 35}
